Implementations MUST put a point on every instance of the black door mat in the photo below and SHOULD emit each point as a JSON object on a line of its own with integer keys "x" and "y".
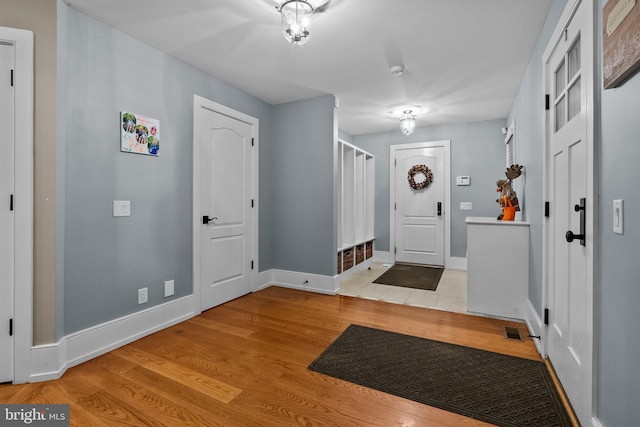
{"x": 491, "y": 387}
{"x": 411, "y": 276}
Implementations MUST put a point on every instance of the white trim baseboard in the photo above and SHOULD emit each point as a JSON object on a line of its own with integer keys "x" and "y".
{"x": 302, "y": 281}
{"x": 355, "y": 269}
{"x": 383, "y": 257}
{"x": 457, "y": 263}
{"x": 534, "y": 324}
{"x": 49, "y": 362}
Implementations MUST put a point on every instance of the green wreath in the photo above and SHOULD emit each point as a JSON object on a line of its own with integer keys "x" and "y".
{"x": 428, "y": 177}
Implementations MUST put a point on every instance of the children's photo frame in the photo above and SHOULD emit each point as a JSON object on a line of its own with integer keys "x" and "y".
{"x": 139, "y": 134}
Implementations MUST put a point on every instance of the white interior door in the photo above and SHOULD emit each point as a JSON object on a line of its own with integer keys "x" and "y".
{"x": 569, "y": 175}
{"x": 7, "y": 226}
{"x": 419, "y": 214}
{"x": 226, "y": 201}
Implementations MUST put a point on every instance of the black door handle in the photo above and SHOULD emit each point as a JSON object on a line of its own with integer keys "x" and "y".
{"x": 570, "y": 236}
{"x": 439, "y": 208}
{"x": 206, "y": 219}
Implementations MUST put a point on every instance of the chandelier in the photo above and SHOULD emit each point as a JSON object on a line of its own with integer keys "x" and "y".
{"x": 296, "y": 21}
{"x": 407, "y": 122}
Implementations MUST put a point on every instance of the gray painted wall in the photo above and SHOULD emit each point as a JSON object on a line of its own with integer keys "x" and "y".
{"x": 303, "y": 186}
{"x": 527, "y": 111}
{"x": 345, "y": 136}
{"x": 106, "y": 259}
{"x": 618, "y": 294}
{"x": 477, "y": 150}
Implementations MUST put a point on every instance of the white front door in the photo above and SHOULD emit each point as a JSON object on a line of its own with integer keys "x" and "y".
{"x": 7, "y": 228}
{"x": 569, "y": 230}
{"x": 419, "y": 213}
{"x": 226, "y": 205}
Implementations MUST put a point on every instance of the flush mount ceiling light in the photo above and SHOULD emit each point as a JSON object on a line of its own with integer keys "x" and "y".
{"x": 407, "y": 122}
{"x": 396, "y": 70}
{"x": 296, "y": 20}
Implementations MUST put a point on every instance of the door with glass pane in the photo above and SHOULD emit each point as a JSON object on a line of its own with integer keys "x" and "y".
{"x": 569, "y": 228}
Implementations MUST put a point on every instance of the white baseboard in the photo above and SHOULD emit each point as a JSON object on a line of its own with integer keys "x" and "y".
{"x": 296, "y": 280}
{"x": 355, "y": 269}
{"x": 452, "y": 263}
{"x": 535, "y": 326}
{"x": 51, "y": 361}
{"x": 456, "y": 263}
{"x": 382, "y": 256}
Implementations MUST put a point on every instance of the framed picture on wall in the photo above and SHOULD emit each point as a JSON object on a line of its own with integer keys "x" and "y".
{"x": 620, "y": 41}
{"x": 139, "y": 134}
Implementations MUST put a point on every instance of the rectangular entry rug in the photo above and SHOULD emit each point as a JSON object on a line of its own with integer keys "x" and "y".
{"x": 495, "y": 388}
{"x": 411, "y": 276}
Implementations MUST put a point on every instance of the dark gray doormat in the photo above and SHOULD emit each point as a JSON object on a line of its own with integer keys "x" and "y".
{"x": 411, "y": 276}
{"x": 491, "y": 387}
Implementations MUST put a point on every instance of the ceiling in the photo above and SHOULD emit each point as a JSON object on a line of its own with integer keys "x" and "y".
{"x": 464, "y": 59}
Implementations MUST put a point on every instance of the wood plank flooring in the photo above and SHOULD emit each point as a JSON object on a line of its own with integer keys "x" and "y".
{"x": 244, "y": 363}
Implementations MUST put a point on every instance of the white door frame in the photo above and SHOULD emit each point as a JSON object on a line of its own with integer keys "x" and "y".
{"x": 23, "y": 206}
{"x": 446, "y": 144}
{"x": 588, "y": 38}
{"x": 198, "y": 103}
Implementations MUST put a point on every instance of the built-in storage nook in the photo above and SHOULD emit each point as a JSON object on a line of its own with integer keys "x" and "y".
{"x": 355, "y": 206}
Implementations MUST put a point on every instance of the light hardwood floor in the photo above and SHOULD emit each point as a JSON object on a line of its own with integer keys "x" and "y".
{"x": 244, "y": 363}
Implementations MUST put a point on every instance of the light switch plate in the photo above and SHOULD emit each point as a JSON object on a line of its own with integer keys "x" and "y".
{"x": 466, "y": 206}
{"x": 121, "y": 208}
{"x": 463, "y": 180}
{"x": 618, "y": 216}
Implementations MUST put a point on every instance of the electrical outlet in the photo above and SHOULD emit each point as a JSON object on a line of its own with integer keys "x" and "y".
{"x": 169, "y": 288}
{"x": 143, "y": 295}
{"x": 121, "y": 208}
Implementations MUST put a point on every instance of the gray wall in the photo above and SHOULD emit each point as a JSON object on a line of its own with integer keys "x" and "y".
{"x": 304, "y": 160}
{"x": 618, "y": 293}
{"x": 477, "y": 150}
{"x": 345, "y": 136}
{"x": 106, "y": 259}
{"x": 528, "y": 110}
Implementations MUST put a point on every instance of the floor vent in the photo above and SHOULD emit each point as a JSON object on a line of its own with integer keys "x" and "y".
{"x": 512, "y": 333}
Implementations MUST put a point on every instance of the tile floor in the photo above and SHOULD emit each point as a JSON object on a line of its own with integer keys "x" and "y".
{"x": 451, "y": 294}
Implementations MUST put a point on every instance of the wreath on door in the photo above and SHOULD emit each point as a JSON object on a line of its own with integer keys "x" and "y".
{"x": 428, "y": 177}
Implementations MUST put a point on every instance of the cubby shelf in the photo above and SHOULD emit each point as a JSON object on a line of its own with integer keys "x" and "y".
{"x": 356, "y": 178}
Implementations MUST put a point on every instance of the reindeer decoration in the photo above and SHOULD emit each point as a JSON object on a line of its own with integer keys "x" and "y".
{"x": 508, "y": 199}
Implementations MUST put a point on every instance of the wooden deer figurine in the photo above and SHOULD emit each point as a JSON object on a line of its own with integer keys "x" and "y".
{"x": 508, "y": 197}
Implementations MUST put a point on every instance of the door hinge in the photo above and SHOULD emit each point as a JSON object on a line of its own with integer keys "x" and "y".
{"x": 252, "y": 141}
{"x": 395, "y": 206}
{"x": 11, "y": 203}
{"x": 395, "y": 250}
{"x": 11, "y": 78}
{"x": 547, "y": 208}
{"x": 251, "y": 202}
{"x": 546, "y": 316}
{"x": 252, "y": 264}
{"x": 10, "y": 327}
{"x": 547, "y": 102}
